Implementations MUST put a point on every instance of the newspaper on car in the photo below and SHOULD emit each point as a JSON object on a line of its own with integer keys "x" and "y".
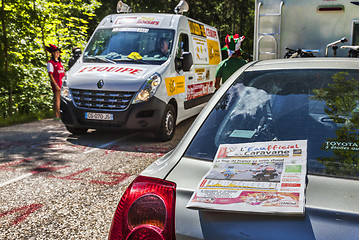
{"x": 259, "y": 177}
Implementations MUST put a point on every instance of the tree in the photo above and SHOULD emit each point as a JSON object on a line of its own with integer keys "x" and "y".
{"x": 341, "y": 99}
{"x": 28, "y": 25}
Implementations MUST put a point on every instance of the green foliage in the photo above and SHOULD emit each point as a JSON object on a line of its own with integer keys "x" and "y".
{"x": 341, "y": 99}
{"x": 26, "y": 26}
{"x": 24, "y": 118}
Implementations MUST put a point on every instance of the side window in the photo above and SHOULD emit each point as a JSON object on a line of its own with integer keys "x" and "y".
{"x": 356, "y": 33}
{"x": 183, "y": 59}
{"x": 183, "y": 45}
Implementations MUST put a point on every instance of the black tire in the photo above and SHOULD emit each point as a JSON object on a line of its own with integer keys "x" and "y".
{"x": 259, "y": 177}
{"x": 76, "y": 131}
{"x": 168, "y": 124}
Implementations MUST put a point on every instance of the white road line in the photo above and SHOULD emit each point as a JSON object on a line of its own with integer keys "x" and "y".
{"x": 110, "y": 143}
{"x": 16, "y": 179}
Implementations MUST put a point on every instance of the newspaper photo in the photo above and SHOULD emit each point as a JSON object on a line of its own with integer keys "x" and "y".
{"x": 260, "y": 177}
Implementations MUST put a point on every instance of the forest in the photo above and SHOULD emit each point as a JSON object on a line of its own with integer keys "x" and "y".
{"x": 28, "y": 25}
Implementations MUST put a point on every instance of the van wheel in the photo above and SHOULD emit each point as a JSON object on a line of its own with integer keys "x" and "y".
{"x": 76, "y": 131}
{"x": 168, "y": 124}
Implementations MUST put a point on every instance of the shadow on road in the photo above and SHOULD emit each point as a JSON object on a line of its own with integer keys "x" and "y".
{"x": 46, "y": 142}
{"x": 131, "y": 141}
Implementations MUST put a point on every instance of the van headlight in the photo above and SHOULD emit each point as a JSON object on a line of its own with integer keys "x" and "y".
{"x": 148, "y": 89}
{"x": 65, "y": 91}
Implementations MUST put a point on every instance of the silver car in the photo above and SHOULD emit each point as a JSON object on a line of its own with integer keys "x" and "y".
{"x": 301, "y": 99}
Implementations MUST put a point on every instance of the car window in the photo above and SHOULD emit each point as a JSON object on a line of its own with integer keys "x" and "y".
{"x": 278, "y": 105}
{"x": 116, "y": 44}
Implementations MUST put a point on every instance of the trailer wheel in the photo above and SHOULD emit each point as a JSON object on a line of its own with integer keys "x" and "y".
{"x": 76, "y": 131}
{"x": 168, "y": 124}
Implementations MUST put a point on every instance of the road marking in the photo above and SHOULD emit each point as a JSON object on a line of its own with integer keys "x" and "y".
{"x": 88, "y": 151}
{"x": 21, "y": 213}
{"x": 15, "y": 179}
{"x": 110, "y": 143}
{"x": 38, "y": 170}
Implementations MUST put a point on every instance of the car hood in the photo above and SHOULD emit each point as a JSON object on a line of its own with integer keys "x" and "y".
{"x": 331, "y": 211}
{"x": 126, "y": 77}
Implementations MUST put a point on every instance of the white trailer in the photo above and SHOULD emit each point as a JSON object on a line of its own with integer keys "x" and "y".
{"x": 304, "y": 24}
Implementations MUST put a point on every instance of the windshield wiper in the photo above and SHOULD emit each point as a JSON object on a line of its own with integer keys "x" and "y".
{"x": 102, "y": 59}
{"x": 130, "y": 60}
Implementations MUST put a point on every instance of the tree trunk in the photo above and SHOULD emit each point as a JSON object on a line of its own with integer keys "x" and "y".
{"x": 6, "y": 56}
{"x": 242, "y": 17}
{"x": 41, "y": 25}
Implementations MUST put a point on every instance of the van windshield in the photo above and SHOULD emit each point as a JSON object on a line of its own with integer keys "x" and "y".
{"x": 130, "y": 45}
{"x": 321, "y": 106}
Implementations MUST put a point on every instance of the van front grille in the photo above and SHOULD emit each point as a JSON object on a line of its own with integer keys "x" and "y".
{"x": 111, "y": 100}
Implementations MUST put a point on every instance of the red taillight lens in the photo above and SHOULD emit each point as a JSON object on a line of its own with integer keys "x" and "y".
{"x": 145, "y": 234}
{"x": 145, "y": 211}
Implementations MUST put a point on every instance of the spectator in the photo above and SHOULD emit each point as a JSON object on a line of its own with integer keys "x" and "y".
{"x": 56, "y": 73}
{"x": 234, "y": 61}
{"x": 76, "y": 53}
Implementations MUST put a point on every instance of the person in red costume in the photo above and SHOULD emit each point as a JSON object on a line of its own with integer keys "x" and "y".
{"x": 56, "y": 73}
{"x": 234, "y": 61}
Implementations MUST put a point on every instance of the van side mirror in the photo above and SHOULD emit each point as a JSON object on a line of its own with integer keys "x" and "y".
{"x": 184, "y": 62}
{"x": 187, "y": 61}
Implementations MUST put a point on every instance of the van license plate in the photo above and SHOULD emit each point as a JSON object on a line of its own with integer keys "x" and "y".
{"x": 98, "y": 116}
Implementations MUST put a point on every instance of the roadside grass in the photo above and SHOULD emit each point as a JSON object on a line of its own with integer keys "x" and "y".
{"x": 25, "y": 118}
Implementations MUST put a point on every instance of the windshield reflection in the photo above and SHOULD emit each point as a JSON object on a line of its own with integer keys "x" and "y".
{"x": 341, "y": 99}
{"x": 318, "y": 105}
{"x": 130, "y": 45}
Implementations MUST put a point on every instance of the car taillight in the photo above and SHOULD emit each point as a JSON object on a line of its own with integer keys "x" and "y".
{"x": 146, "y": 211}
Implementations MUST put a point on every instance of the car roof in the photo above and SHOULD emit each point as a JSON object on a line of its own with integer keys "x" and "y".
{"x": 166, "y": 20}
{"x": 306, "y": 63}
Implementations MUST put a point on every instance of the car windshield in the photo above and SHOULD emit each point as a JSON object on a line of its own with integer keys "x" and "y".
{"x": 278, "y": 105}
{"x": 131, "y": 45}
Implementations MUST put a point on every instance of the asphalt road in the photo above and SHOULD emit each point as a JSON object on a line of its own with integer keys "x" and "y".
{"x": 54, "y": 185}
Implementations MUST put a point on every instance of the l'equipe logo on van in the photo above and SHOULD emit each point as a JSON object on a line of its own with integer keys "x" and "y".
{"x": 123, "y": 70}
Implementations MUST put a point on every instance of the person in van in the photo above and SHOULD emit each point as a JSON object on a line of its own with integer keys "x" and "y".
{"x": 164, "y": 44}
{"x": 234, "y": 61}
{"x": 163, "y": 50}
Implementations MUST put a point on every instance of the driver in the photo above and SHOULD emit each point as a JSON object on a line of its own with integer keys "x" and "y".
{"x": 164, "y": 46}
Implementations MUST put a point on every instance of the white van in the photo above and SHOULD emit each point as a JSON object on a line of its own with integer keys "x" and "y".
{"x": 124, "y": 81}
